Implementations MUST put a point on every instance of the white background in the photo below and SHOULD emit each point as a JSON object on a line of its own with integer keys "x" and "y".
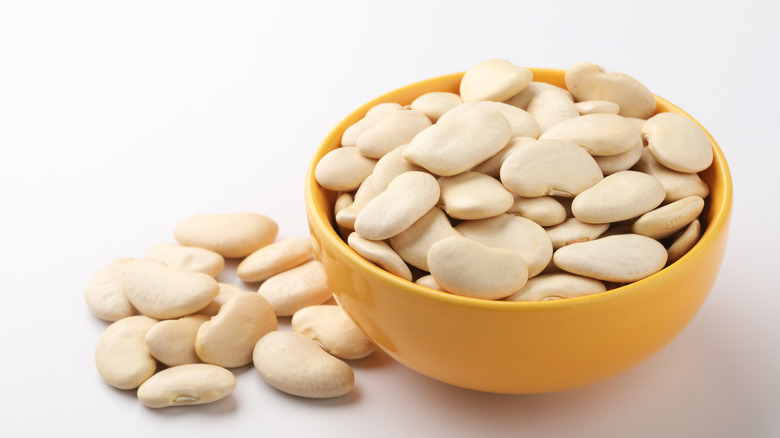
{"x": 119, "y": 119}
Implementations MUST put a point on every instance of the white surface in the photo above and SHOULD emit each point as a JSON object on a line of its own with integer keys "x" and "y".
{"x": 118, "y": 119}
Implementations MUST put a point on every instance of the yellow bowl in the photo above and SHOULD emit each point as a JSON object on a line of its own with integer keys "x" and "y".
{"x": 517, "y": 347}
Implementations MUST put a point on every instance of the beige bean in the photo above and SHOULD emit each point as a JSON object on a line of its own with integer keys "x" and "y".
{"x": 413, "y": 243}
{"x": 436, "y": 103}
{"x": 474, "y": 195}
{"x": 372, "y": 117}
{"x": 544, "y": 210}
{"x": 172, "y": 342}
{"x": 573, "y": 230}
{"x": 333, "y": 330}
{"x": 550, "y": 167}
{"x": 492, "y": 166}
{"x": 343, "y": 169}
{"x": 588, "y": 81}
{"x": 226, "y": 292}
{"x": 429, "y": 282}
{"x": 407, "y": 198}
{"x": 468, "y": 268}
{"x": 389, "y": 167}
{"x": 346, "y": 216}
{"x": 380, "y": 253}
{"x": 494, "y": 79}
{"x": 610, "y": 164}
{"x": 599, "y": 134}
{"x": 228, "y": 339}
{"x": 678, "y": 142}
{"x": 396, "y": 129}
{"x": 515, "y": 233}
{"x": 684, "y": 242}
{"x": 623, "y": 258}
{"x": 104, "y": 294}
{"x": 668, "y": 219}
{"x": 550, "y": 107}
{"x": 620, "y": 196}
{"x": 597, "y": 107}
{"x": 184, "y": 385}
{"x": 121, "y": 356}
{"x": 523, "y": 98}
{"x": 295, "y": 364}
{"x": 522, "y": 123}
{"x": 460, "y": 143}
{"x": 275, "y": 258}
{"x": 677, "y": 185}
{"x": 292, "y": 290}
{"x": 166, "y": 292}
{"x": 190, "y": 258}
{"x": 557, "y": 286}
{"x": 232, "y": 235}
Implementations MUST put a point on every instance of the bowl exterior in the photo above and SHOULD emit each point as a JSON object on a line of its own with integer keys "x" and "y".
{"x": 517, "y": 347}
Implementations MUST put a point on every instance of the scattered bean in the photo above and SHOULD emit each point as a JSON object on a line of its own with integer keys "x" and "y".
{"x": 333, "y": 330}
{"x": 184, "y": 385}
{"x": 232, "y": 235}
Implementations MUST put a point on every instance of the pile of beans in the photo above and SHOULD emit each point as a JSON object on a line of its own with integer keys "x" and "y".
{"x": 514, "y": 189}
{"x": 176, "y": 331}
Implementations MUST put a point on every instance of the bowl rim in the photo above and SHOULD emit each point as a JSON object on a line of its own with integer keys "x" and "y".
{"x": 322, "y": 220}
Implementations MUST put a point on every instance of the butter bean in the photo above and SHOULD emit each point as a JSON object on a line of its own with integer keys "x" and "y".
{"x": 343, "y": 169}
{"x": 620, "y": 196}
{"x": 104, "y": 293}
{"x": 684, "y": 242}
{"x": 372, "y": 117}
{"x": 396, "y": 129}
{"x": 544, "y": 210}
{"x": 232, "y": 235}
{"x": 380, "y": 253}
{"x": 523, "y": 98}
{"x": 436, "y": 103}
{"x": 550, "y": 167}
{"x": 465, "y": 267}
{"x": 193, "y": 384}
{"x": 460, "y": 143}
{"x": 346, "y": 216}
{"x": 573, "y": 230}
{"x": 275, "y": 258}
{"x": 474, "y": 195}
{"x": 429, "y": 282}
{"x": 522, "y": 123}
{"x": 599, "y": 134}
{"x": 678, "y": 142}
{"x": 557, "y": 286}
{"x": 550, "y": 107}
{"x": 407, "y": 198}
{"x": 622, "y": 258}
{"x": 166, "y": 292}
{"x": 492, "y": 166}
{"x": 588, "y": 81}
{"x": 494, "y": 79}
{"x": 292, "y": 290}
{"x": 121, "y": 356}
{"x": 677, "y": 185}
{"x": 665, "y": 221}
{"x": 610, "y": 164}
{"x": 333, "y": 330}
{"x": 229, "y": 338}
{"x": 226, "y": 292}
{"x": 597, "y": 107}
{"x": 389, "y": 167}
{"x": 190, "y": 258}
{"x": 414, "y": 243}
{"x": 172, "y": 342}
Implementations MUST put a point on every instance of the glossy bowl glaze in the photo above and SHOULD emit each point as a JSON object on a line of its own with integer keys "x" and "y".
{"x": 517, "y": 347}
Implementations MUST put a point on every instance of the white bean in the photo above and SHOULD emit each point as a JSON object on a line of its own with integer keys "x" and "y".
{"x": 233, "y": 235}
{"x": 184, "y": 385}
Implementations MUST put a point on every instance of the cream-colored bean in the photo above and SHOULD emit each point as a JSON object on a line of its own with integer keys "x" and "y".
{"x": 610, "y": 164}
{"x": 274, "y": 258}
{"x": 429, "y": 282}
{"x": 522, "y": 123}
{"x": 623, "y": 258}
{"x": 232, "y": 235}
{"x": 372, "y": 117}
{"x": 104, "y": 294}
{"x": 228, "y": 339}
{"x": 396, "y": 129}
{"x": 185, "y": 385}
{"x": 460, "y": 143}
{"x": 544, "y": 210}
{"x": 413, "y": 243}
{"x": 226, "y": 292}
{"x": 407, "y": 198}
{"x": 597, "y": 107}
{"x": 620, "y": 196}
{"x": 333, "y": 330}
{"x": 678, "y": 142}
{"x": 550, "y": 107}
{"x": 557, "y": 286}
{"x": 523, "y": 98}
{"x": 468, "y": 268}
{"x": 346, "y": 216}
{"x": 677, "y": 185}
{"x": 492, "y": 166}
{"x": 588, "y": 81}
{"x": 474, "y": 195}
{"x": 121, "y": 356}
{"x": 684, "y": 242}
{"x": 380, "y": 253}
{"x": 295, "y": 364}
{"x": 292, "y": 290}
{"x": 599, "y": 134}
{"x": 172, "y": 342}
{"x": 494, "y": 79}
{"x": 668, "y": 219}
{"x": 190, "y": 258}
{"x": 166, "y": 292}
{"x": 515, "y": 233}
{"x": 389, "y": 167}
{"x": 573, "y": 230}
{"x": 343, "y": 169}
{"x": 550, "y": 167}
{"x": 436, "y": 103}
